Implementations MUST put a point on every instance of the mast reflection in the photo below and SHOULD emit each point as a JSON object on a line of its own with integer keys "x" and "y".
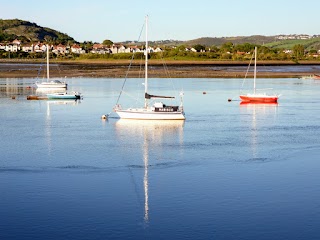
{"x": 149, "y": 132}
{"x": 262, "y": 113}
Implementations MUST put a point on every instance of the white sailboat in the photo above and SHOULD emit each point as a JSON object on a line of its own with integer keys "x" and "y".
{"x": 258, "y": 97}
{"x": 50, "y": 83}
{"x": 159, "y": 110}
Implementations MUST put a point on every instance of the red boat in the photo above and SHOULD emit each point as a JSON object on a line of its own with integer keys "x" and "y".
{"x": 316, "y": 77}
{"x": 258, "y": 97}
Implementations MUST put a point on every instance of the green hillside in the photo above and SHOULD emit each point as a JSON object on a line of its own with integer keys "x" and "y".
{"x": 313, "y": 43}
{"x": 207, "y": 41}
{"x": 28, "y": 32}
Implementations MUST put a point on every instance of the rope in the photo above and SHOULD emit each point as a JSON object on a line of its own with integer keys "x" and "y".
{"x": 125, "y": 79}
{"x": 126, "y": 76}
{"x": 40, "y": 69}
{"x": 165, "y": 66}
{"x": 246, "y": 72}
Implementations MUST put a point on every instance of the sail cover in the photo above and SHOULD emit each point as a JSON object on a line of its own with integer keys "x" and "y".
{"x": 149, "y": 96}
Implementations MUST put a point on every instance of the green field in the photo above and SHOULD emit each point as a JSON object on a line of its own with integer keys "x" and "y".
{"x": 313, "y": 43}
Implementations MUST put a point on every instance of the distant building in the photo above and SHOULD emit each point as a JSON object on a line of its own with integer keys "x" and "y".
{"x": 60, "y": 49}
{"x": 293, "y": 37}
{"x": 75, "y": 48}
{"x": 27, "y": 48}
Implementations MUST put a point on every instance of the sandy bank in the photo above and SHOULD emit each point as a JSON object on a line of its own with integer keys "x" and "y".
{"x": 118, "y": 69}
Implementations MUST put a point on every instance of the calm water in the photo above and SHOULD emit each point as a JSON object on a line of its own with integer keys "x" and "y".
{"x": 229, "y": 171}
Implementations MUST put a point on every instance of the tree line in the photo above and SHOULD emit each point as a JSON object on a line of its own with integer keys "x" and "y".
{"x": 227, "y": 51}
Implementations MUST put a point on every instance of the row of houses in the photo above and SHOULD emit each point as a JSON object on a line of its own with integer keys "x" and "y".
{"x": 119, "y": 48}
{"x": 16, "y": 45}
{"x": 75, "y": 48}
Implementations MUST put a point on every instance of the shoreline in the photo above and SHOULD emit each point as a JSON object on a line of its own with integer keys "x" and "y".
{"x": 24, "y": 68}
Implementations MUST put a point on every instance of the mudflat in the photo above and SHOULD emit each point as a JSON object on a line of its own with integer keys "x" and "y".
{"x": 157, "y": 68}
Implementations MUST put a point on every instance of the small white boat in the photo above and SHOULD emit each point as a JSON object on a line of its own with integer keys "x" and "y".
{"x": 64, "y": 95}
{"x": 51, "y": 83}
{"x": 159, "y": 110}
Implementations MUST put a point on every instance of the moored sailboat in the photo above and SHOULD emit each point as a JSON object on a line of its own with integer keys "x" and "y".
{"x": 258, "y": 97}
{"x": 158, "y": 110}
{"x": 50, "y": 83}
{"x": 316, "y": 77}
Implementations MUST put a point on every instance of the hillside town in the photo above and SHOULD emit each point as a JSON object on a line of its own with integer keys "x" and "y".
{"x": 226, "y": 51}
{"x": 97, "y": 48}
{"x": 296, "y": 37}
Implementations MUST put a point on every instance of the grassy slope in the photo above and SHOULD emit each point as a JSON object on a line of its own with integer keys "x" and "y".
{"x": 313, "y": 43}
{"x": 30, "y": 31}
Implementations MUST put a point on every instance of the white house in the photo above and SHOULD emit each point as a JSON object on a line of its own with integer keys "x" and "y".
{"x": 75, "y": 48}
{"x": 100, "y": 49}
{"x": 27, "y": 48}
{"x": 288, "y": 51}
{"x": 135, "y": 49}
{"x": 60, "y": 49}
{"x": 16, "y": 41}
{"x": 2, "y": 46}
{"x": 39, "y": 47}
{"x": 12, "y": 47}
{"x": 158, "y": 49}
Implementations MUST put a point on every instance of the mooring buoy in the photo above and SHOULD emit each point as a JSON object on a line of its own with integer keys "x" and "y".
{"x": 104, "y": 116}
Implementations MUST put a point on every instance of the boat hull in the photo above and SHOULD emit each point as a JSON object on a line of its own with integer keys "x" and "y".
{"x": 52, "y": 84}
{"x": 150, "y": 115}
{"x": 259, "y": 98}
{"x": 316, "y": 77}
{"x": 57, "y": 96}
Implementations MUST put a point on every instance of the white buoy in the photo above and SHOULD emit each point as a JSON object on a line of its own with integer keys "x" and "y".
{"x": 104, "y": 116}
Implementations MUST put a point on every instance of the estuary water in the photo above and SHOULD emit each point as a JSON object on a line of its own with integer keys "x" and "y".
{"x": 230, "y": 171}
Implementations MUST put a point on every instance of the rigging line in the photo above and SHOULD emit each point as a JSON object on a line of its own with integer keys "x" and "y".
{"x": 40, "y": 69}
{"x": 137, "y": 100}
{"x": 125, "y": 79}
{"x": 247, "y": 71}
{"x": 141, "y": 72}
{"x": 165, "y": 66}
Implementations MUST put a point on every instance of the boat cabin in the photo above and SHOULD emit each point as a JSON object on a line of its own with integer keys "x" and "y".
{"x": 161, "y": 107}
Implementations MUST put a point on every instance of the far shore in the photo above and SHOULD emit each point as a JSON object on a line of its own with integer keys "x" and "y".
{"x": 17, "y": 68}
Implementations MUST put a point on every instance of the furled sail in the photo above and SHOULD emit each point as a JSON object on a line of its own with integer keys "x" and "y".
{"x": 149, "y": 96}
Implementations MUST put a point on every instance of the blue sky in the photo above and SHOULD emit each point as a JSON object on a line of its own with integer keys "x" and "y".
{"x": 97, "y": 20}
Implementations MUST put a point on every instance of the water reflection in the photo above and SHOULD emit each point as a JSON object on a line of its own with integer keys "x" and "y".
{"x": 48, "y": 126}
{"x": 262, "y": 114}
{"x": 15, "y": 86}
{"x": 51, "y": 105}
{"x": 148, "y": 134}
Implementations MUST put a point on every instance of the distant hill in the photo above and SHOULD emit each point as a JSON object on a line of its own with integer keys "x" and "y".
{"x": 207, "y": 41}
{"x": 29, "y": 32}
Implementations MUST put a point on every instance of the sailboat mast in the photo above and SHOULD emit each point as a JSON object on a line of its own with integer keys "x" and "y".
{"x": 47, "y": 62}
{"x": 146, "y": 66}
{"x": 255, "y": 70}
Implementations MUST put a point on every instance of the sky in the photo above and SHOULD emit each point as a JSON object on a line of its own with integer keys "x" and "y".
{"x": 118, "y": 21}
